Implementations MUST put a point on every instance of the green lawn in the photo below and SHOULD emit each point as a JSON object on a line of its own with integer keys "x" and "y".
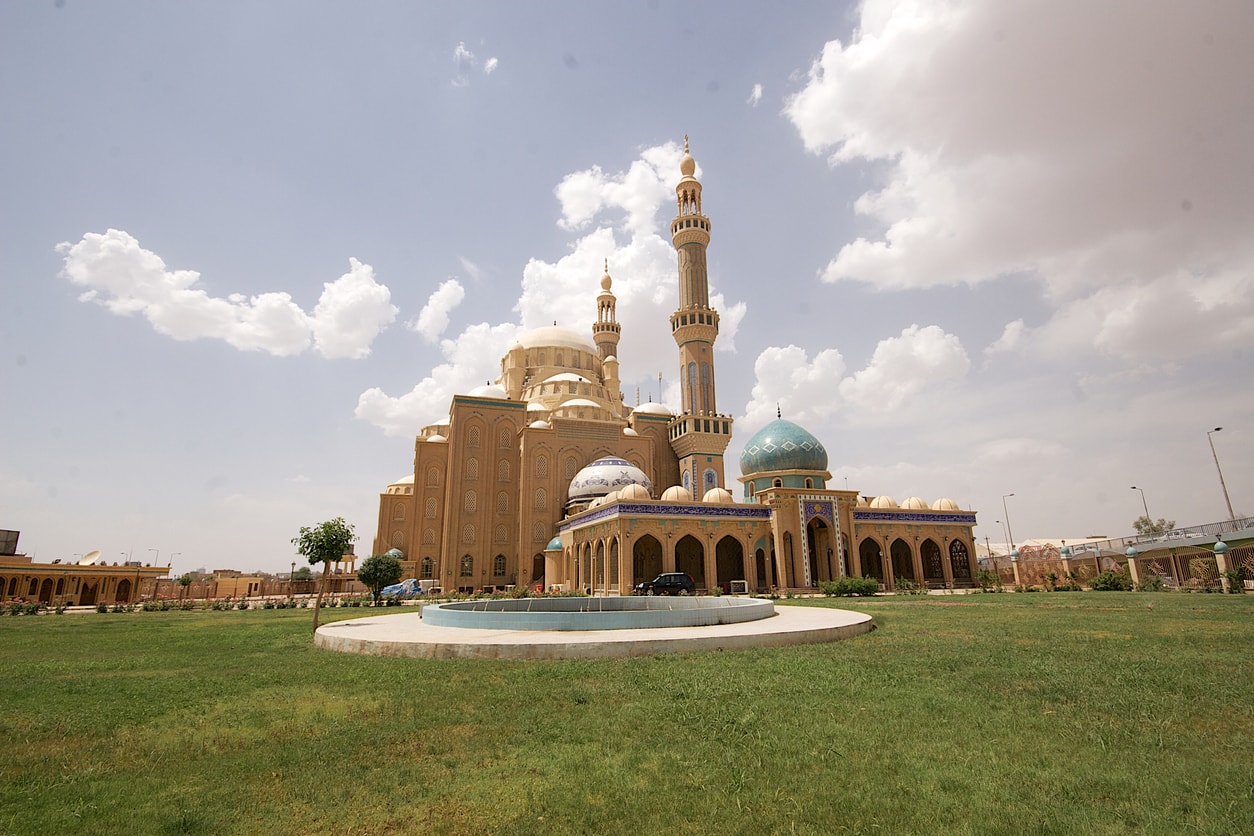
{"x": 1049, "y": 713}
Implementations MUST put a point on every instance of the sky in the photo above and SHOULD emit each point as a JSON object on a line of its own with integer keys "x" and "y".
{"x": 996, "y": 252}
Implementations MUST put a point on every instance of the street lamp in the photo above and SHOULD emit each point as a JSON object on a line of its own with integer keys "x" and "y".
{"x": 1143, "y": 505}
{"x": 1231, "y": 516}
{"x": 1009, "y": 532}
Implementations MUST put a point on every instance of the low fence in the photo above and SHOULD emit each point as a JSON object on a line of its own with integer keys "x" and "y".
{"x": 1178, "y": 567}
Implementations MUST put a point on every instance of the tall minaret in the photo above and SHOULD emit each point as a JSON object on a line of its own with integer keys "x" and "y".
{"x": 699, "y": 435}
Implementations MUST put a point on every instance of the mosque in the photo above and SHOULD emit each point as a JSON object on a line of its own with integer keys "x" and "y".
{"x": 547, "y": 478}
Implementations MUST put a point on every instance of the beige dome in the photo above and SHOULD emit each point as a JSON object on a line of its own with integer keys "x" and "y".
{"x": 676, "y": 493}
{"x": 539, "y": 424}
{"x": 718, "y": 496}
{"x": 628, "y": 431}
{"x": 634, "y": 491}
{"x": 436, "y": 438}
{"x": 552, "y": 335}
{"x": 652, "y": 409}
{"x": 914, "y": 503}
{"x": 945, "y": 504}
{"x": 884, "y": 502}
{"x": 407, "y": 479}
{"x": 861, "y": 502}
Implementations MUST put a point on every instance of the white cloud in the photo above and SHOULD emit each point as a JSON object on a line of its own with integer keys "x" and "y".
{"x": 471, "y": 359}
{"x": 126, "y": 278}
{"x": 434, "y": 317}
{"x": 814, "y": 391}
{"x": 755, "y": 96}
{"x": 466, "y": 63}
{"x": 920, "y": 359}
{"x": 1105, "y": 148}
{"x": 474, "y": 271}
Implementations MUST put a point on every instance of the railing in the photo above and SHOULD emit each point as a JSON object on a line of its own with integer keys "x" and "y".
{"x": 1195, "y": 533}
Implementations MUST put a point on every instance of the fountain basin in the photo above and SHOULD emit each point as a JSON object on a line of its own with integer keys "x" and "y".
{"x": 611, "y": 613}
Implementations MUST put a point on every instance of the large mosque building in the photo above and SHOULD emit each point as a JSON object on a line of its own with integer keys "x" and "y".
{"x": 547, "y": 478}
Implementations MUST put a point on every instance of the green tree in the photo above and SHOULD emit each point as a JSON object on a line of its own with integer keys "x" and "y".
{"x": 1144, "y": 525}
{"x": 302, "y": 574}
{"x": 378, "y": 571}
{"x": 323, "y": 543}
{"x": 185, "y": 580}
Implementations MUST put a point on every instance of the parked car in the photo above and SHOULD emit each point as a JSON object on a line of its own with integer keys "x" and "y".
{"x": 668, "y": 583}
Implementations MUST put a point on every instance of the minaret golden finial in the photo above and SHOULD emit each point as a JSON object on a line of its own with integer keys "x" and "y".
{"x": 685, "y": 143}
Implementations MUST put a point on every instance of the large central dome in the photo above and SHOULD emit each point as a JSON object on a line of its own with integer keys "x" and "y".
{"x": 556, "y": 336}
{"x": 782, "y": 445}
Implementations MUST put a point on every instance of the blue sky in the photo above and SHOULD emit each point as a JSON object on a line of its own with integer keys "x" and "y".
{"x": 977, "y": 248}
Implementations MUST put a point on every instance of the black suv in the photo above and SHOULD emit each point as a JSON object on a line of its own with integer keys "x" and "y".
{"x": 668, "y": 583}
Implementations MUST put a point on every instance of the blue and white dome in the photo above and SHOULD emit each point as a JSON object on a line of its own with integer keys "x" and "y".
{"x": 782, "y": 445}
{"x": 605, "y": 475}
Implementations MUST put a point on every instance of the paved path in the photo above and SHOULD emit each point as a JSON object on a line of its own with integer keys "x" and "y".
{"x": 407, "y": 635}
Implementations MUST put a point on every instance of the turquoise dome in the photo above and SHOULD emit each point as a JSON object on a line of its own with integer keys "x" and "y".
{"x": 782, "y": 445}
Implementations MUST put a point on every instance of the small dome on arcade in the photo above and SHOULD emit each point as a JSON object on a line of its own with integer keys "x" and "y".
{"x": 676, "y": 493}
{"x": 628, "y": 431}
{"x": 397, "y": 553}
{"x": 862, "y": 503}
{"x": 407, "y": 479}
{"x": 914, "y": 503}
{"x": 884, "y": 502}
{"x": 539, "y": 424}
{"x": 634, "y": 492}
{"x": 437, "y": 438}
{"x": 604, "y": 475}
{"x": 490, "y": 390}
{"x": 555, "y": 545}
{"x": 945, "y": 504}
{"x": 782, "y": 445}
{"x": 718, "y": 496}
{"x": 651, "y": 408}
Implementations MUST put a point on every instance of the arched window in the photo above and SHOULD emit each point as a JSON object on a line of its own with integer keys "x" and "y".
{"x": 468, "y": 534}
{"x": 498, "y": 566}
{"x": 538, "y": 533}
{"x": 502, "y": 471}
{"x": 472, "y": 469}
{"x": 474, "y": 437}
{"x": 433, "y": 476}
{"x": 431, "y": 508}
{"x": 398, "y": 511}
{"x": 502, "y": 502}
{"x": 428, "y": 537}
{"x": 504, "y": 439}
{"x": 398, "y": 539}
{"x": 502, "y": 535}
{"x": 572, "y": 467}
{"x": 777, "y": 483}
{"x": 809, "y": 482}
{"x": 468, "y": 566}
{"x": 959, "y": 561}
{"x": 428, "y": 567}
{"x": 470, "y": 503}
{"x": 542, "y": 499}
{"x": 542, "y": 467}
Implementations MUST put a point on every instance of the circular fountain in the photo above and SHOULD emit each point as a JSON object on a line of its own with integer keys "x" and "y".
{"x": 582, "y": 628}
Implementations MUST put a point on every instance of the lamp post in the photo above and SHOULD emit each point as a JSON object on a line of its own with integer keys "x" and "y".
{"x": 1004, "y": 539}
{"x": 1006, "y": 511}
{"x": 1143, "y": 505}
{"x": 154, "y": 580}
{"x": 169, "y": 566}
{"x": 1231, "y": 516}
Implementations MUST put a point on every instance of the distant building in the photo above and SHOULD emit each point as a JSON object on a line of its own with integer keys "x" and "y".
{"x": 547, "y": 478}
{"x": 88, "y": 581}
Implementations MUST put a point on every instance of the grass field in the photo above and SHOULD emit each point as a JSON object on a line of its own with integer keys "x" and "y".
{"x": 1043, "y": 713}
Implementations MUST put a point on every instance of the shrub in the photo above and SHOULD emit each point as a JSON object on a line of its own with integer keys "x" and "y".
{"x": 1150, "y": 583}
{"x": 1111, "y": 581}
{"x": 848, "y": 586}
{"x": 243, "y": 604}
{"x": 988, "y": 580}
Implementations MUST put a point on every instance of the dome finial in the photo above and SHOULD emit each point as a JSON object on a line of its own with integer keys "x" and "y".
{"x": 606, "y": 281}
{"x": 687, "y": 165}
{"x": 685, "y": 143}
{"x": 778, "y": 414}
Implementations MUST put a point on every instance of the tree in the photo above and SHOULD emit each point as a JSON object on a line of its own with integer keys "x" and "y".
{"x": 185, "y": 580}
{"x": 378, "y": 571}
{"x": 1144, "y": 525}
{"x": 302, "y": 574}
{"x": 326, "y": 542}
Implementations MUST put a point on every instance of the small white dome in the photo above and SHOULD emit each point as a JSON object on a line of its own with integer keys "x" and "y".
{"x": 407, "y": 479}
{"x": 718, "y": 496}
{"x": 914, "y": 503}
{"x": 579, "y": 402}
{"x": 634, "y": 491}
{"x": 652, "y": 409}
{"x": 945, "y": 504}
{"x": 539, "y": 424}
{"x": 537, "y": 407}
{"x": 566, "y": 377}
{"x": 676, "y": 493}
{"x": 884, "y": 502}
{"x": 862, "y": 503}
{"x": 491, "y": 390}
{"x": 436, "y": 437}
{"x": 628, "y": 431}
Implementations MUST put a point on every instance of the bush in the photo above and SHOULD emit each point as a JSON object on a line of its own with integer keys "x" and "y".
{"x": 988, "y": 580}
{"x": 243, "y": 604}
{"x": 848, "y": 587}
{"x": 1150, "y": 583}
{"x": 1111, "y": 581}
